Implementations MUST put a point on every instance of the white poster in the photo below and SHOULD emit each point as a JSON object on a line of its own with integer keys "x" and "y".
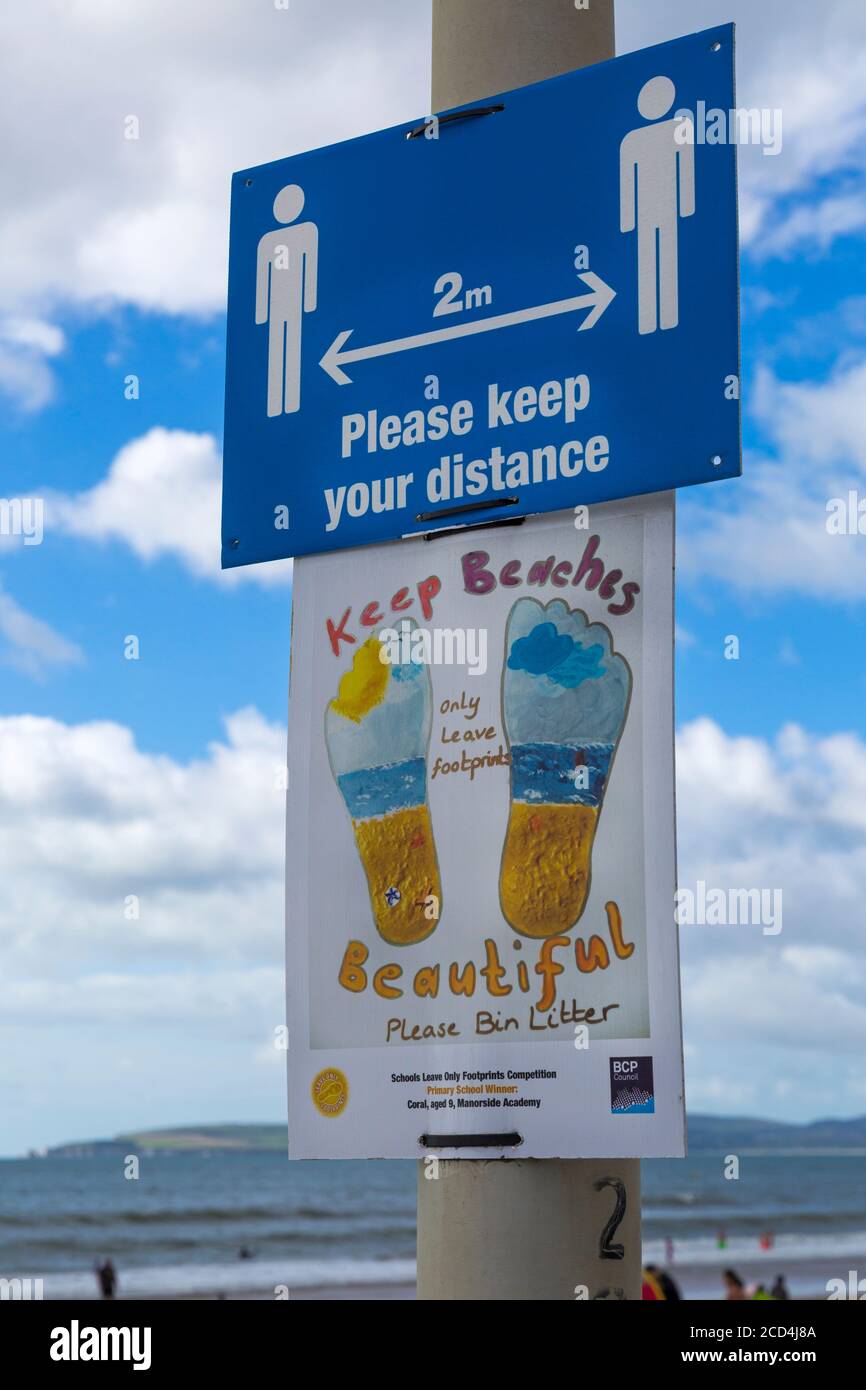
{"x": 481, "y": 949}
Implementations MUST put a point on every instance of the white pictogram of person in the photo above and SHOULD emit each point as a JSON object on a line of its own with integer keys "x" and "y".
{"x": 657, "y": 187}
{"x": 286, "y": 288}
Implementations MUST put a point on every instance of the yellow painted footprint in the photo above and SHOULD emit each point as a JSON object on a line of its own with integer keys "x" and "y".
{"x": 565, "y": 700}
{"x": 377, "y": 730}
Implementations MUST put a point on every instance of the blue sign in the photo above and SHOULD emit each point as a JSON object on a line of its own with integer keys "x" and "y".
{"x": 514, "y": 308}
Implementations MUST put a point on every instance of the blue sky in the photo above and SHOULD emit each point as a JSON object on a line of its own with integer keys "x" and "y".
{"x": 158, "y": 777}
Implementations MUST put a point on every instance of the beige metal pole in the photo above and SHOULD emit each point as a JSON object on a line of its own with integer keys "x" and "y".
{"x": 481, "y": 47}
{"x": 523, "y": 1228}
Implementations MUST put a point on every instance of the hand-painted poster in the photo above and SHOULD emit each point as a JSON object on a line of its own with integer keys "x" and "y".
{"x": 481, "y": 945}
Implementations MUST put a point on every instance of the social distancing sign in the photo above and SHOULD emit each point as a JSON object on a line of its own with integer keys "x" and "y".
{"x": 514, "y": 312}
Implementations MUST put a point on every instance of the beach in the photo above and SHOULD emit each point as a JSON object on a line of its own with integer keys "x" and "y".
{"x": 250, "y": 1225}
{"x": 805, "y": 1282}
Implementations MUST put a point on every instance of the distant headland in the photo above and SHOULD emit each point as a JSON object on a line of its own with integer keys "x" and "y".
{"x": 720, "y": 1134}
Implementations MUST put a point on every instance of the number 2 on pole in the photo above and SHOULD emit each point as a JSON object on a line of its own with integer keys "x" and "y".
{"x": 607, "y": 1251}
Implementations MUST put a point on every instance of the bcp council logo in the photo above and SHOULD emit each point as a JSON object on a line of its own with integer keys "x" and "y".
{"x": 631, "y": 1086}
{"x": 330, "y": 1091}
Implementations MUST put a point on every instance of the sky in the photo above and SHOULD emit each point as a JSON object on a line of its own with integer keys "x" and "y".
{"x": 159, "y": 778}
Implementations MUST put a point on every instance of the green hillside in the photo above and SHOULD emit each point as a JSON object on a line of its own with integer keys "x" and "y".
{"x": 199, "y": 1137}
{"x": 707, "y": 1134}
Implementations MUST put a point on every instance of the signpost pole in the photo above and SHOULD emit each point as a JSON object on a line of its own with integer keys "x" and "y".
{"x": 523, "y": 1228}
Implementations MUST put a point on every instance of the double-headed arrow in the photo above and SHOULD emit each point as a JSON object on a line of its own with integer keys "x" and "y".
{"x": 597, "y": 300}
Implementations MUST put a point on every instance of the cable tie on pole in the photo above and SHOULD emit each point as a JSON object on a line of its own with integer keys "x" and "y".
{"x": 464, "y": 507}
{"x": 471, "y": 1141}
{"x": 431, "y": 124}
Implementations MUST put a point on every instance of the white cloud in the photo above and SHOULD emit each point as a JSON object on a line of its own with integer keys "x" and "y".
{"x": 161, "y": 496}
{"x": 215, "y": 86}
{"x": 816, "y": 424}
{"x": 44, "y": 337}
{"x": 765, "y": 1001}
{"x": 787, "y": 814}
{"x": 816, "y": 226}
{"x": 809, "y": 61}
{"x": 826, "y": 963}
{"x": 88, "y": 821}
{"x": 215, "y": 997}
{"x": 740, "y": 772}
{"x": 773, "y": 540}
{"x": 798, "y": 785}
{"x": 33, "y": 646}
{"x": 768, "y": 530}
{"x": 26, "y": 345}
{"x": 163, "y": 1013}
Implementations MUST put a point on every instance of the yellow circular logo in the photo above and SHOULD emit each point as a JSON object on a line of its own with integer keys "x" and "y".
{"x": 330, "y": 1091}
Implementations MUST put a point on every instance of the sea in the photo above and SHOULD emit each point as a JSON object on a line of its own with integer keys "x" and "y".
{"x": 559, "y": 773}
{"x": 180, "y": 1227}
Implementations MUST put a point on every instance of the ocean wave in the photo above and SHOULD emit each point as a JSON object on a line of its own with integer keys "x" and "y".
{"x": 791, "y": 1247}
{"x": 210, "y": 1216}
{"x": 264, "y": 1277}
{"x": 776, "y": 1215}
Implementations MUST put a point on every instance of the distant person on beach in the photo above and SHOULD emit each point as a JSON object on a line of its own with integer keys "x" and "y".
{"x": 721, "y": 1240}
{"x": 669, "y": 1288}
{"x": 245, "y": 1253}
{"x": 106, "y": 1278}
{"x": 735, "y": 1289}
{"x": 669, "y": 1251}
{"x": 780, "y": 1289}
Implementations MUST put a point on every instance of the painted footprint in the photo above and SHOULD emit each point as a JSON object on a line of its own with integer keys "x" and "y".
{"x": 377, "y": 730}
{"x": 565, "y": 700}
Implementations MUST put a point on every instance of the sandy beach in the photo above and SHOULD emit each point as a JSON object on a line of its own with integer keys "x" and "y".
{"x": 697, "y": 1283}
